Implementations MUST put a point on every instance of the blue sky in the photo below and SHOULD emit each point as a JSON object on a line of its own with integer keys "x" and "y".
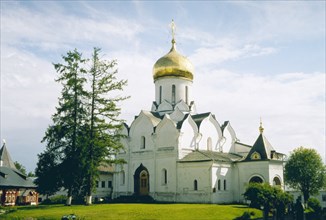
{"x": 252, "y": 59}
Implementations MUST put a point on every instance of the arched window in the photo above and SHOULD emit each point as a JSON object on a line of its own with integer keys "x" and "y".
{"x": 256, "y": 179}
{"x": 224, "y": 184}
{"x": 186, "y": 95}
{"x": 195, "y": 185}
{"x": 173, "y": 94}
{"x": 276, "y": 181}
{"x": 142, "y": 142}
{"x": 164, "y": 176}
{"x": 209, "y": 143}
{"x": 219, "y": 185}
{"x": 160, "y": 95}
{"x": 122, "y": 177}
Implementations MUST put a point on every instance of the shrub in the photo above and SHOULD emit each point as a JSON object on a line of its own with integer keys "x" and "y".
{"x": 314, "y": 209}
{"x": 245, "y": 216}
{"x": 60, "y": 199}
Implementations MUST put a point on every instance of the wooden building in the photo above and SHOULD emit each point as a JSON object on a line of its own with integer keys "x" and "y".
{"x": 15, "y": 187}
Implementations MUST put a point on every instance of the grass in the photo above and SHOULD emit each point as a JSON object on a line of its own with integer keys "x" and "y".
{"x": 130, "y": 211}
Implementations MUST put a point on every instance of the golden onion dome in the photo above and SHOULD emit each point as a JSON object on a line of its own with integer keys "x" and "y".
{"x": 173, "y": 64}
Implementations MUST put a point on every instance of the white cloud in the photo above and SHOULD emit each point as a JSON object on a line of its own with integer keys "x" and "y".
{"x": 215, "y": 55}
{"x": 53, "y": 29}
{"x": 292, "y": 106}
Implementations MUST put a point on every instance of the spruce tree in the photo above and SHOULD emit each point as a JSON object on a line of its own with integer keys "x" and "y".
{"x": 66, "y": 137}
{"x": 104, "y": 124}
{"x": 48, "y": 176}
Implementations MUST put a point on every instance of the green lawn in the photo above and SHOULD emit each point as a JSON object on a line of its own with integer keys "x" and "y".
{"x": 131, "y": 211}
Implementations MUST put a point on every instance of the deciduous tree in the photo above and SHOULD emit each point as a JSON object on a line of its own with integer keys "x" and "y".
{"x": 305, "y": 171}
{"x": 20, "y": 167}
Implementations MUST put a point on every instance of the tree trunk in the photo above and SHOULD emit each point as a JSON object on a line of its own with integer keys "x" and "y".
{"x": 69, "y": 198}
{"x": 306, "y": 197}
{"x": 89, "y": 200}
{"x": 265, "y": 213}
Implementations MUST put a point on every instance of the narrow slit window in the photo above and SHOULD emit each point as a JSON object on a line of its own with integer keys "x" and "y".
{"x": 186, "y": 95}
{"x": 173, "y": 94}
{"x": 195, "y": 185}
{"x": 160, "y": 95}
{"x": 142, "y": 142}
{"x": 164, "y": 176}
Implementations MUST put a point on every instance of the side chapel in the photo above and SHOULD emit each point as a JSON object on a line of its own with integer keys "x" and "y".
{"x": 175, "y": 154}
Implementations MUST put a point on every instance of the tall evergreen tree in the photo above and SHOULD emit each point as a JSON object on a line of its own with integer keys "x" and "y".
{"x": 104, "y": 124}
{"x": 48, "y": 176}
{"x": 65, "y": 138}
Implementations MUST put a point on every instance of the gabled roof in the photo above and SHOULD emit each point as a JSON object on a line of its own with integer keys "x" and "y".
{"x": 200, "y": 156}
{"x": 5, "y": 159}
{"x": 9, "y": 175}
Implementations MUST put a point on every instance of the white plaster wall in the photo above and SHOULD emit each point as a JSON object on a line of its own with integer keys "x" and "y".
{"x": 276, "y": 170}
{"x": 186, "y": 142}
{"x": 106, "y": 191}
{"x": 167, "y": 83}
{"x": 223, "y": 172}
{"x": 166, "y": 134}
{"x": 209, "y": 129}
{"x": 228, "y": 146}
{"x": 186, "y": 174}
{"x": 250, "y": 169}
{"x": 166, "y": 161}
{"x": 142, "y": 126}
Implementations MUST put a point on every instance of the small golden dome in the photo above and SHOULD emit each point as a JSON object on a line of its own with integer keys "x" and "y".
{"x": 173, "y": 64}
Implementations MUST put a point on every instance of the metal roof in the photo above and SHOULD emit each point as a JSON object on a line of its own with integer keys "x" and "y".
{"x": 200, "y": 156}
{"x": 12, "y": 178}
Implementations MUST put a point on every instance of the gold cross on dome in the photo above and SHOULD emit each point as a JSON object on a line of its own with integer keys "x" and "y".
{"x": 173, "y": 27}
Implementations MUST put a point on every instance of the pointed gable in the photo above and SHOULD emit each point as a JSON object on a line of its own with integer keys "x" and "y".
{"x": 5, "y": 159}
{"x": 261, "y": 150}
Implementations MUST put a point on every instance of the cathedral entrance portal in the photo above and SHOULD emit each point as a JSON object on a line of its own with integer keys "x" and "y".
{"x": 143, "y": 190}
{"x": 141, "y": 181}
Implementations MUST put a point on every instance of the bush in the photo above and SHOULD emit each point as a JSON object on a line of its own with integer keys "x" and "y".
{"x": 314, "y": 204}
{"x": 314, "y": 209}
{"x": 60, "y": 199}
{"x": 245, "y": 216}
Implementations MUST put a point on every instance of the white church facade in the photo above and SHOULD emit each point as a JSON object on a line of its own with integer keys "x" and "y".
{"x": 175, "y": 154}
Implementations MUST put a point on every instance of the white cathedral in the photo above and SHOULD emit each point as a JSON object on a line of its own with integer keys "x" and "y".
{"x": 175, "y": 154}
